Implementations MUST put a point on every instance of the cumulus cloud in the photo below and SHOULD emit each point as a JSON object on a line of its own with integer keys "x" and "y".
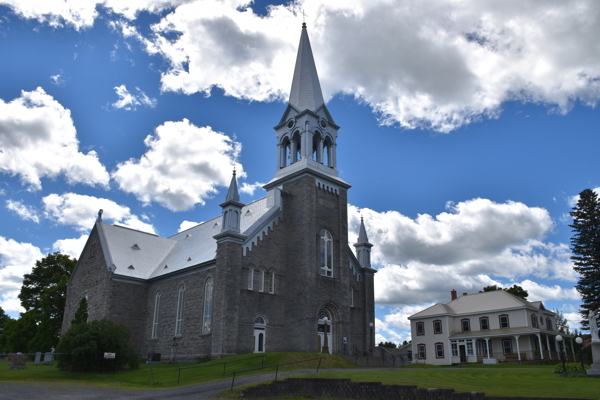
{"x": 185, "y": 225}
{"x": 16, "y": 260}
{"x": 250, "y": 188}
{"x": 71, "y": 247}
{"x": 572, "y": 200}
{"x": 449, "y": 63}
{"x": 27, "y": 213}
{"x": 183, "y": 165}
{"x": 130, "y": 101}
{"x": 38, "y": 139}
{"x": 476, "y": 243}
{"x": 81, "y": 212}
{"x": 385, "y": 331}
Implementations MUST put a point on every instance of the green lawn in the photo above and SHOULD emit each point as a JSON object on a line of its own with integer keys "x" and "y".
{"x": 166, "y": 374}
{"x": 535, "y": 381}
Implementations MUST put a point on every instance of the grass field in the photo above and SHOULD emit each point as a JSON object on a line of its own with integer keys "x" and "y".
{"x": 535, "y": 381}
{"x": 165, "y": 375}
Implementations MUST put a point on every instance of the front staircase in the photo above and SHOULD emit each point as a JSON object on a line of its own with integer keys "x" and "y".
{"x": 380, "y": 358}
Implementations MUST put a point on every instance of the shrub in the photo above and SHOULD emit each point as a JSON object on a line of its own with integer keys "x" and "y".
{"x": 572, "y": 369}
{"x": 84, "y": 346}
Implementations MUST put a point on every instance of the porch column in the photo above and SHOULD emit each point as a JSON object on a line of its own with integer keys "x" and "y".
{"x": 518, "y": 350}
{"x": 549, "y": 348}
{"x": 541, "y": 347}
{"x": 294, "y": 150}
{"x": 487, "y": 345}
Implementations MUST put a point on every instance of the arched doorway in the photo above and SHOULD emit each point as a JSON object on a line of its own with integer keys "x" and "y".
{"x": 324, "y": 325}
{"x": 260, "y": 331}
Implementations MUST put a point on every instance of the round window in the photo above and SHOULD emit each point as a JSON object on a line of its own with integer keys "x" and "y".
{"x": 290, "y": 123}
{"x": 323, "y": 123}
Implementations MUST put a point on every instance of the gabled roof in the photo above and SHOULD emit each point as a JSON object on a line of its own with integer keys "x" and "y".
{"x": 185, "y": 249}
{"x": 479, "y": 302}
{"x": 306, "y": 90}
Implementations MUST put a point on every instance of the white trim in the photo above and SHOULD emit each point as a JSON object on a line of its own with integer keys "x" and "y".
{"x": 155, "y": 320}
{"x": 179, "y": 311}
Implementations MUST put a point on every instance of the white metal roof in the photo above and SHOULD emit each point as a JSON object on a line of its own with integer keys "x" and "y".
{"x": 479, "y": 302}
{"x": 185, "y": 249}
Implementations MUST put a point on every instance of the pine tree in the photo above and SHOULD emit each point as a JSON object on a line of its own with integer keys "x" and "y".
{"x": 81, "y": 315}
{"x": 585, "y": 246}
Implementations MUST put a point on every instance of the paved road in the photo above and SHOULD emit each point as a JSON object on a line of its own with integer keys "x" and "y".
{"x": 62, "y": 391}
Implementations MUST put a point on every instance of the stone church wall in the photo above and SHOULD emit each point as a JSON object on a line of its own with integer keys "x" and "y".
{"x": 90, "y": 277}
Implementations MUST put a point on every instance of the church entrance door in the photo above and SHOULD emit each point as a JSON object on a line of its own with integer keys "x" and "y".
{"x": 324, "y": 326}
{"x": 259, "y": 340}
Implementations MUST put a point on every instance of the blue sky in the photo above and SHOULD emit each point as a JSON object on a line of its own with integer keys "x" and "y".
{"x": 465, "y": 132}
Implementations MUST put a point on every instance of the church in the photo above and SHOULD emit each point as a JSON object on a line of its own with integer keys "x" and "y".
{"x": 276, "y": 274}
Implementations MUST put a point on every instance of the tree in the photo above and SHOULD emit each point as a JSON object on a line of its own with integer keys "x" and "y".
{"x": 19, "y": 332}
{"x": 4, "y": 319}
{"x": 561, "y": 322}
{"x": 390, "y": 345}
{"x": 81, "y": 315}
{"x": 404, "y": 343}
{"x": 44, "y": 295}
{"x": 585, "y": 246}
{"x": 515, "y": 289}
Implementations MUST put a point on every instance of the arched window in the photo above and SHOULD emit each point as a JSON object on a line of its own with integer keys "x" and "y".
{"x": 272, "y": 288}
{"x": 260, "y": 330}
{"x": 534, "y": 321}
{"x": 179, "y": 317}
{"x": 251, "y": 278}
{"x": 351, "y": 297}
{"x": 326, "y": 253}
{"x": 156, "y": 313}
{"x": 208, "y": 306}
{"x": 261, "y": 282}
{"x": 548, "y": 324}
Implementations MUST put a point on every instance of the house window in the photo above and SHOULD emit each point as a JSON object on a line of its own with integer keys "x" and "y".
{"x": 548, "y": 324}
{"x": 542, "y": 320}
{"x": 326, "y": 253}
{"x": 156, "y": 313}
{"x": 484, "y": 323}
{"x": 251, "y": 278}
{"x": 507, "y": 346}
{"x": 454, "y": 349}
{"x": 470, "y": 351}
{"x": 272, "y": 288}
{"x": 351, "y": 297}
{"x": 421, "y": 351}
{"x": 437, "y": 326}
{"x": 439, "y": 350}
{"x": 503, "y": 321}
{"x": 208, "y": 306}
{"x": 466, "y": 325}
{"x": 261, "y": 282}
{"x": 420, "y": 328}
{"x": 179, "y": 316}
{"x": 534, "y": 321}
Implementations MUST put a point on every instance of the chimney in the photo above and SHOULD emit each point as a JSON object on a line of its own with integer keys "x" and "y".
{"x": 453, "y": 292}
{"x": 464, "y": 294}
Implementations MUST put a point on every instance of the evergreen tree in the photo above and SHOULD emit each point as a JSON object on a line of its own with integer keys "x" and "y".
{"x": 585, "y": 246}
{"x": 81, "y": 315}
{"x": 561, "y": 322}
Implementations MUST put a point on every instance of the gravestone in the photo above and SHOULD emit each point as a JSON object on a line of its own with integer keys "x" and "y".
{"x": 38, "y": 358}
{"x": 47, "y": 358}
{"x": 19, "y": 361}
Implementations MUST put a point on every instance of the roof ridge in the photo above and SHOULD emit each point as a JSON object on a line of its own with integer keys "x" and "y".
{"x": 135, "y": 230}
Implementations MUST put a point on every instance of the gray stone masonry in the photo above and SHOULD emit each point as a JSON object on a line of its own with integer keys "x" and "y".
{"x": 90, "y": 277}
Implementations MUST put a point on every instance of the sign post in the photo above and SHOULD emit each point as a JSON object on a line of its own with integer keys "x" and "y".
{"x": 113, "y": 356}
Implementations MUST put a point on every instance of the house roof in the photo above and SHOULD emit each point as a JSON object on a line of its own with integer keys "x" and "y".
{"x": 142, "y": 255}
{"x": 479, "y": 302}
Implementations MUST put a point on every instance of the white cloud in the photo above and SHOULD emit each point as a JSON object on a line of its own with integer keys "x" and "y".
{"x": 38, "y": 139}
{"x": 185, "y": 225}
{"x": 71, "y": 247}
{"x": 543, "y": 292}
{"x": 382, "y": 327}
{"x": 250, "y": 188}
{"x": 438, "y": 64}
{"x": 81, "y": 212}
{"x": 475, "y": 244}
{"x": 129, "y": 101}
{"x": 184, "y": 164}
{"x": 16, "y": 260}
{"x": 2, "y": 192}
{"x": 27, "y": 213}
{"x": 57, "y": 80}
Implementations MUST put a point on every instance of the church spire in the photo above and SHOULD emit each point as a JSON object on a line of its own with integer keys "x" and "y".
{"x": 306, "y": 90}
{"x": 232, "y": 193}
{"x": 362, "y": 234}
{"x": 363, "y": 247}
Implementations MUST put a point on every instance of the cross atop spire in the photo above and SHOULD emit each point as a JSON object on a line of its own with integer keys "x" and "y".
{"x": 232, "y": 193}
{"x": 306, "y": 90}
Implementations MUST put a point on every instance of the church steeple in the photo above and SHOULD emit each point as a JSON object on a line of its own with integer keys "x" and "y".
{"x": 232, "y": 193}
{"x": 306, "y": 91}
{"x": 232, "y": 209}
{"x": 363, "y": 247}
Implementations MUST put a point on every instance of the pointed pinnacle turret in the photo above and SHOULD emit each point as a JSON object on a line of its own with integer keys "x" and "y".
{"x": 306, "y": 91}
{"x": 362, "y": 234}
{"x": 232, "y": 193}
